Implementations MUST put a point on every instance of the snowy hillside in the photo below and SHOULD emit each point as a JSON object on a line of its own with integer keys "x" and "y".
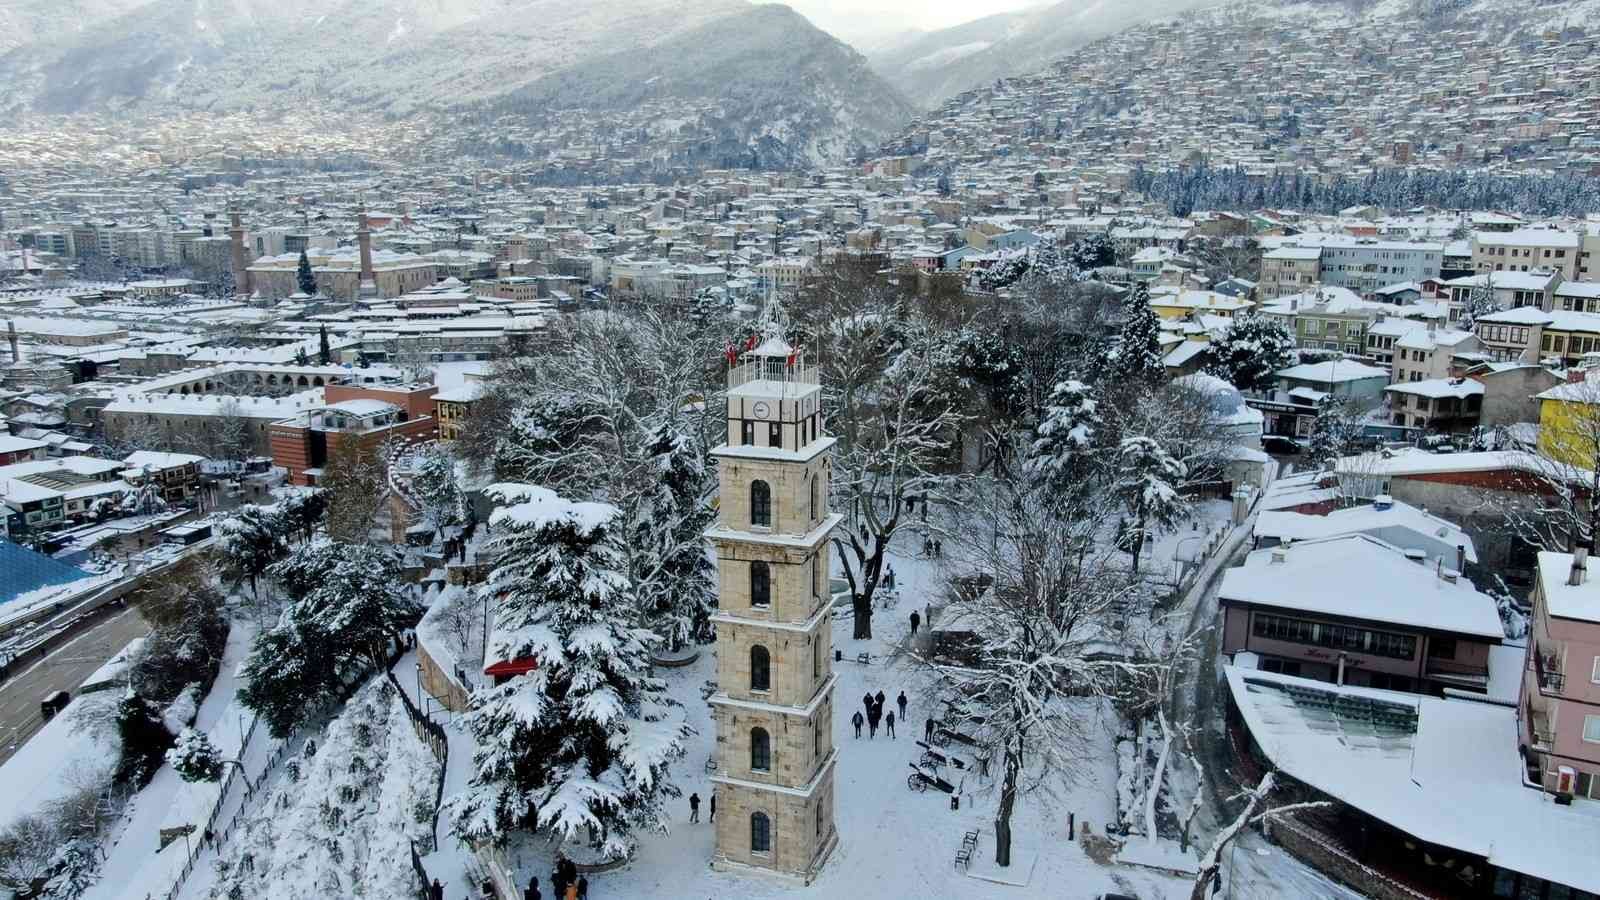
{"x": 944, "y": 63}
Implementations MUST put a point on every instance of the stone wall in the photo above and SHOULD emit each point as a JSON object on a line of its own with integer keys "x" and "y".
{"x": 1322, "y": 854}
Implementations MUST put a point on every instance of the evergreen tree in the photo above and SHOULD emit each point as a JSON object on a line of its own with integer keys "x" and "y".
{"x": 1134, "y": 357}
{"x": 1250, "y": 351}
{"x": 669, "y": 567}
{"x": 348, "y": 607}
{"x": 1332, "y": 432}
{"x": 324, "y": 351}
{"x": 433, "y": 482}
{"x": 144, "y": 740}
{"x": 579, "y": 746}
{"x": 304, "y": 279}
{"x": 1068, "y": 438}
{"x": 76, "y": 866}
{"x": 248, "y": 542}
{"x": 1147, "y": 484}
{"x": 1480, "y": 302}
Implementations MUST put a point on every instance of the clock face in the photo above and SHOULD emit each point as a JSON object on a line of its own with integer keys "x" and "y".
{"x": 761, "y": 409}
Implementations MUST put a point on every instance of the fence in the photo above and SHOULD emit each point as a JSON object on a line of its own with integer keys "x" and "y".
{"x": 432, "y": 734}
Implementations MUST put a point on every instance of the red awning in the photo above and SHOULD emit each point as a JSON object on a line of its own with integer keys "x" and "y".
{"x": 509, "y": 668}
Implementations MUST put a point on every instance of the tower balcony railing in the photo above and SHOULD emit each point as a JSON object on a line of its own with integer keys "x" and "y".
{"x": 774, "y": 371}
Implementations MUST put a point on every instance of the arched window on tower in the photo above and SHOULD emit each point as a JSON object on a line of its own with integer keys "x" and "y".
{"x": 760, "y": 750}
{"x": 760, "y": 669}
{"x": 760, "y": 584}
{"x": 760, "y": 833}
{"x": 760, "y": 504}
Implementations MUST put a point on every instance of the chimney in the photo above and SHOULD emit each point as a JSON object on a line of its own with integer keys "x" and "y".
{"x": 1461, "y": 557}
{"x": 1580, "y": 560}
{"x": 11, "y": 337}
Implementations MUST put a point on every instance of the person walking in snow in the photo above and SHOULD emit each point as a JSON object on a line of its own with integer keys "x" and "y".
{"x": 856, "y": 721}
{"x": 927, "y": 546}
{"x": 713, "y": 817}
{"x": 878, "y": 700}
{"x": 916, "y": 621}
{"x": 866, "y": 702}
{"x": 583, "y": 887}
{"x": 901, "y": 700}
{"x": 891, "y": 578}
{"x": 888, "y": 723}
{"x": 927, "y": 731}
{"x": 694, "y": 808}
{"x": 872, "y": 726}
{"x": 532, "y": 893}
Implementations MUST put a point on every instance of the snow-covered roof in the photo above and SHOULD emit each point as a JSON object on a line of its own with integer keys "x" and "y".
{"x": 1415, "y": 461}
{"x": 1439, "y": 388}
{"x": 1361, "y": 577}
{"x": 1566, "y": 601}
{"x": 1330, "y": 372}
{"x": 1400, "y": 524}
{"x": 140, "y": 459}
{"x": 1444, "y": 771}
{"x": 363, "y": 407}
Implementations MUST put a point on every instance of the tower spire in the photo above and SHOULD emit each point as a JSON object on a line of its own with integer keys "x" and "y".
{"x": 368, "y": 288}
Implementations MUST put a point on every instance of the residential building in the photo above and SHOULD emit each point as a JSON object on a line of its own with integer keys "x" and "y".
{"x": 305, "y": 443}
{"x": 1357, "y": 610}
{"x": 1510, "y": 391}
{"x": 1428, "y": 352}
{"x": 177, "y": 474}
{"x": 1289, "y": 270}
{"x": 1527, "y": 250}
{"x": 1437, "y": 405}
{"x": 16, "y": 450}
{"x": 1558, "y": 710}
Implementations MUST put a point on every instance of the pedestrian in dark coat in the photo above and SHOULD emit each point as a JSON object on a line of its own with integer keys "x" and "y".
{"x": 878, "y": 701}
{"x": 938, "y": 548}
{"x": 713, "y": 806}
{"x": 532, "y": 893}
{"x": 916, "y": 621}
{"x": 872, "y": 727}
{"x": 583, "y": 887}
{"x": 856, "y": 721}
{"x": 891, "y": 578}
{"x": 694, "y": 808}
{"x": 866, "y": 701}
{"x": 889, "y": 723}
{"x": 927, "y": 731}
{"x": 902, "y": 701}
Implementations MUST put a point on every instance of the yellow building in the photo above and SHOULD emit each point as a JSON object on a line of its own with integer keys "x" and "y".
{"x": 1569, "y": 423}
{"x": 1182, "y": 304}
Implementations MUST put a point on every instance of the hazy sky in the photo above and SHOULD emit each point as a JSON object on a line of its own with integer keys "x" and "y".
{"x": 854, "y": 20}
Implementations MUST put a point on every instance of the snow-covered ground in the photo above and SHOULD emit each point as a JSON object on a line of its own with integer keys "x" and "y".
{"x": 133, "y": 867}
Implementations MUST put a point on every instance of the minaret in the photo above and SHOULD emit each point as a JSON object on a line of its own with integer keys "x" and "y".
{"x": 241, "y": 265}
{"x": 369, "y": 280}
{"x": 774, "y": 701}
{"x": 11, "y": 337}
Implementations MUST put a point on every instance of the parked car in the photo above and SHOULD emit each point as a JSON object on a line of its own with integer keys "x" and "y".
{"x": 1278, "y": 445}
{"x": 53, "y": 704}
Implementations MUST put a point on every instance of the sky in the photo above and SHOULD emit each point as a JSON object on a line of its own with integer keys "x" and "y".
{"x": 863, "y": 20}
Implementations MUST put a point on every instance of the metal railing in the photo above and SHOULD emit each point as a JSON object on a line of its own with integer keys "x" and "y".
{"x": 1547, "y": 673}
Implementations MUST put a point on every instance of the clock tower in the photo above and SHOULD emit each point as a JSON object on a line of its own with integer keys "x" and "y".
{"x": 774, "y": 701}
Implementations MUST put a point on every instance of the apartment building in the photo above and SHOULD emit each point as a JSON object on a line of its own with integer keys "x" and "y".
{"x": 1527, "y": 250}
{"x": 1558, "y": 709}
{"x": 1289, "y": 270}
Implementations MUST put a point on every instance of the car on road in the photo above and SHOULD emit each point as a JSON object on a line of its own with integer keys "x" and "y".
{"x": 1278, "y": 445}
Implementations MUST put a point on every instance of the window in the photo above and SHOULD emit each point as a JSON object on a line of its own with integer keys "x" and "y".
{"x": 747, "y": 432}
{"x": 1594, "y": 675}
{"x": 774, "y": 434}
{"x": 760, "y": 503}
{"x": 1442, "y": 648}
{"x": 760, "y": 669}
{"x": 760, "y": 750}
{"x": 760, "y": 833}
{"x": 1337, "y": 637}
{"x": 1591, "y": 729}
{"x": 760, "y": 584}
{"x": 816, "y": 496}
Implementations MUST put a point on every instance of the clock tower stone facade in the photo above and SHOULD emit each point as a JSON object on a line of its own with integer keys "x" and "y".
{"x": 773, "y": 706}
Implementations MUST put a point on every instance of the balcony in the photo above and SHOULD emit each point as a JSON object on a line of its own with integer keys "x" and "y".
{"x": 1547, "y": 673}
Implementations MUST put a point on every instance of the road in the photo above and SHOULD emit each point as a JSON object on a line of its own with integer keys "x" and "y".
{"x": 64, "y": 669}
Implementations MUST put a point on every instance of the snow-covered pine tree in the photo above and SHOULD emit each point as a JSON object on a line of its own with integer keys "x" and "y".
{"x": 248, "y": 542}
{"x": 433, "y": 481}
{"x": 348, "y": 607}
{"x": 1067, "y": 439}
{"x": 1480, "y": 302}
{"x": 1249, "y": 351}
{"x": 580, "y": 746}
{"x": 671, "y": 572}
{"x": 76, "y": 866}
{"x": 1147, "y": 484}
{"x": 1332, "y": 432}
{"x": 304, "y": 278}
{"x": 1134, "y": 357}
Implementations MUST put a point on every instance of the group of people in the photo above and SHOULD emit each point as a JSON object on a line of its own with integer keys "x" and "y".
{"x": 569, "y": 885}
{"x": 933, "y": 548}
{"x": 694, "y": 808}
{"x": 875, "y": 715}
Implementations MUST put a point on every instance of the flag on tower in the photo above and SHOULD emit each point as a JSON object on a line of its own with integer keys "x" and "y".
{"x": 753, "y": 342}
{"x": 731, "y": 352}
{"x": 794, "y": 357}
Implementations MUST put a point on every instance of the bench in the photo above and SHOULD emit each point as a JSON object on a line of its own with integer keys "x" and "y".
{"x": 864, "y": 658}
{"x": 969, "y": 841}
{"x": 964, "y": 858}
{"x": 711, "y": 764}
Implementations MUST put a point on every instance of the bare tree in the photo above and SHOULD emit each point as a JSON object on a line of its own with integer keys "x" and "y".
{"x": 1037, "y": 633}
{"x": 27, "y": 847}
{"x": 356, "y": 479}
{"x": 896, "y": 436}
{"x": 1168, "y": 660}
{"x": 1553, "y": 506}
{"x": 1211, "y": 862}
